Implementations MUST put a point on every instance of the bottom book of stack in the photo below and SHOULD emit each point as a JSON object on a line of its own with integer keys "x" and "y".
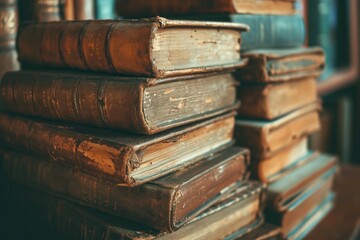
{"x": 236, "y": 213}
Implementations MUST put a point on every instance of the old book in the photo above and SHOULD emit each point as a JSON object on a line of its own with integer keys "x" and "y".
{"x": 164, "y": 204}
{"x": 270, "y": 101}
{"x": 149, "y": 47}
{"x": 105, "y": 9}
{"x": 290, "y": 188}
{"x": 270, "y": 169}
{"x": 265, "y": 232}
{"x": 267, "y": 31}
{"x": 8, "y": 30}
{"x": 79, "y": 10}
{"x": 142, "y": 105}
{"x": 145, "y": 8}
{"x": 127, "y": 159}
{"x": 237, "y": 210}
{"x": 295, "y": 214}
{"x": 265, "y": 138}
{"x": 312, "y": 219}
{"x": 41, "y": 10}
{"x": 270, "y": 65}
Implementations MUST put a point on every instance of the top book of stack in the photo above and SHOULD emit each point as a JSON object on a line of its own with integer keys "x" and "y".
{"x": 141, "y": 8}
{"x": 155, "y": 47}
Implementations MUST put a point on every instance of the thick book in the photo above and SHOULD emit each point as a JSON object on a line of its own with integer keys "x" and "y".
{"x": 265, "y": 232}
{"x": 145, "y": 8}
{"x": 8, "y": 30}
{"x": 268, "y": 170}
{"x": 313, "y": 219}
{"x": 239, "y": 210}
{"x": 301, "y": 209}
{"x": 266, "y": 138}
{"x": 164, "y": 204}
{"x": 141, "y": 105}
{"x": 266, "y": 31}
{"x": 148, "y": 47}
{"x": 270, "y": 101}
{"x": 279, "y": 65}
{"x": 291, "y": 187}
{"x": 41, "y": 10}
{"x": 126, "y": 159}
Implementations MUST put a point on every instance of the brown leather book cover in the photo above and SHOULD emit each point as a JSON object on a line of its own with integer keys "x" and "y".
{"x": 41, "y": 10}
{"x": 141, "y": 105}
{"x": 145, "y": 8}
{"x": 147, "y": 47}
{"x": 79, "y": 10}
{"x": 265, "y": 232}
{"x": 285, "y": 191}
{"x": 270, "y": 169}
{"x": 8, "y": 30}
{"x": 270, "y": 101}
{"x": 266, "y": 138}
{"x": 279, "y": 65}
{"x": 128, "y": 159}
{"x": 237, "y": 209}
{"x": 300, "y": 210}
{"x": 164, "y": 204}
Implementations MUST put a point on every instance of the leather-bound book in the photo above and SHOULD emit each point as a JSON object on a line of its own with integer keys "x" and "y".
{"x": 265, "y": 232}
{"x": 164, "y": 204}
{"x": 237, "y": 210}
{"x": 280, "y": 65}
{"x": 141, "y": 105}
{"x": 294, "y": 215}
{"x": 8, "y": 30}
{"x": 291, "y": 187}
{"x": 270, "y": 101}
{"x": 270, "y": 169}
{"x": 145, "y": 8}
{"x": 127, "y": 159}
{"x": 41, "y": 10}
{"x": 266, "y": 138}
{"x": 149, "y": 47}
{"x": 313, "y": 218}
{"x": 267, "y": 31}
{"x": 79, "y": 10}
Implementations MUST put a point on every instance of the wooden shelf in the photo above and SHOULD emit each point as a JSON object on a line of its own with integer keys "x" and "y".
{"x": 337, "y": 81}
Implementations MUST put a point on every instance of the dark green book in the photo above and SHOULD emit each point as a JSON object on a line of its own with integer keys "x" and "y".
{"x": 266, "y": 31}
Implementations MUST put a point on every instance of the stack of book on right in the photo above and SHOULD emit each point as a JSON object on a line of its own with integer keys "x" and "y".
{"x": 280, "y": 109}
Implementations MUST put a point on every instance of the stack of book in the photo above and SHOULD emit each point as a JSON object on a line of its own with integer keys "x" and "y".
{"x": 154, "y": 148}
{"x": 280, "y": 110}
{"x": 280, "y": 106}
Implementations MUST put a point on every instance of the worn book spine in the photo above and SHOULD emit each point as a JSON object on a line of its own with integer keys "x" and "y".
{"x": 96, "y": 156}
{"x": 269, "y": 101}
{"x": 8, "y": 30}
{"x": 151, "y": 204}
{"x": 84, "y": 9}
{"x": 110, "y": 46}
{"x": 143, "y": 8}
{"x": 93, "y": 101}
{"x": 69, "y": 219}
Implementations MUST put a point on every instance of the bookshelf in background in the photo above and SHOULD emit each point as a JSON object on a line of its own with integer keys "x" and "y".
{"x": 334, "y": 25}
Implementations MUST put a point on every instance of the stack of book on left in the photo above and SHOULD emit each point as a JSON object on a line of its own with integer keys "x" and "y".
{"x": 153, "y": 148}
